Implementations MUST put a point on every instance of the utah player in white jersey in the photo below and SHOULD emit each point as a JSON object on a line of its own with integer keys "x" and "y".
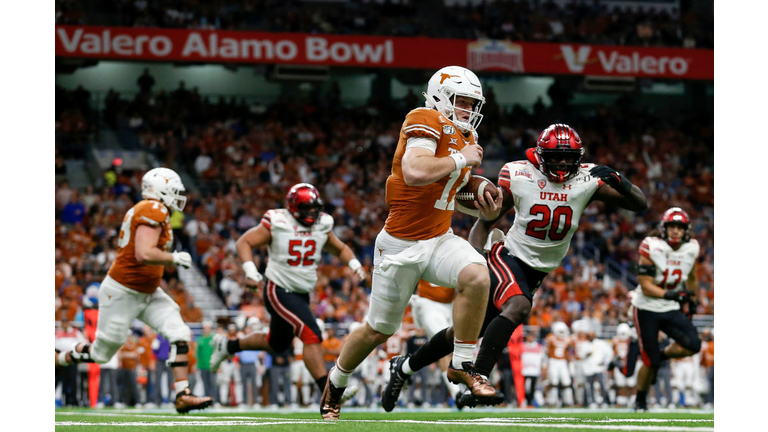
{"x": 549, "y": 191}
{"x": 667, "y": 278}
{"x": 295, "y": 238}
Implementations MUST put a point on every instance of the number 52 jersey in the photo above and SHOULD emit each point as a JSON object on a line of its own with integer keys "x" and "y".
{"x": 295, "y": 249}
{"x": 546, "y": 213}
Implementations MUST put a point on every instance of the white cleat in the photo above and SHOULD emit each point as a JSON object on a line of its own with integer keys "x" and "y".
{"x": 220, "y": 352}
{"x": 349, "y": 393}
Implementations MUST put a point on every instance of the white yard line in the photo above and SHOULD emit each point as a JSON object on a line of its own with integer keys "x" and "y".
{"x": 551, "y": 422}
{"x": 443, "y": 423}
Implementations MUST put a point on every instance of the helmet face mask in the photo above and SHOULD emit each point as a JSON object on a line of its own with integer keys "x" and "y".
{"x": 559, "y": 152}
{"x": 164, "y": 185}
{"x": 304, "y": 203}
{"x": 675, "y": 216}
{"x": 450, "y": 83}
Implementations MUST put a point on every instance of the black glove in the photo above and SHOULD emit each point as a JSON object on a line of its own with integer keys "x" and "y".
{"x": 612, "y": 178}
{"x": 693, "y": 305}
{"x": 681, "y": 296}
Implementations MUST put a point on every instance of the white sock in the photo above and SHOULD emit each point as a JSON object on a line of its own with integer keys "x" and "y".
{"x": 463, "y": 351}
{"x": 63, "y": 359}
{"x": 406, "y": 367}
{"x": 339, "y": 377}
{"x": 179, "y": 386}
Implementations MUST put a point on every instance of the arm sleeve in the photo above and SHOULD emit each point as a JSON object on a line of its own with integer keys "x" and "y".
{"x": 419, "y": 142}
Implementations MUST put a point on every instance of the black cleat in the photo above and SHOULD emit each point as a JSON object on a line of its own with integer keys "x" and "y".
{"x": 397, "y": 381}
{"x": 641, "y": 405}
{"x": 464, "y": 399}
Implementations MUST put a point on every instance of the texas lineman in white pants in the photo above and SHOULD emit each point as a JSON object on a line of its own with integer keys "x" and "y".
{"x": 132, "y": 290}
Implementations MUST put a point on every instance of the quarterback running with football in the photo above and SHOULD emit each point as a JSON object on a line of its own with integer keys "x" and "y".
{"x": 295, "y": 237}
{"x": 132, "y": 290}
{"x": 548, "y": 192}
{"x": 666, "y": 279}
{"x": 434, "y": 156}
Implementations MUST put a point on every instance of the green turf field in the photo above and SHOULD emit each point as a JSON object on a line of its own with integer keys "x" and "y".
{"x": 363, "y": 420}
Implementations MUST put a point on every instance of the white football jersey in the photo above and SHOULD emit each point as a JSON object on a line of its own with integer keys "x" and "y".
{"x": 295, "y": 249}
{"x": 672, "y": 270}
{"x": 546, "y": 213}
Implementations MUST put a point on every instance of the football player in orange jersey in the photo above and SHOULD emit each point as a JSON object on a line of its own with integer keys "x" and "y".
{"x": 434, "y": 156}
{"x": 132, "y": 290}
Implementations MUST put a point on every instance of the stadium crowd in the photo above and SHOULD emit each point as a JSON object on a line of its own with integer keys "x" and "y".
{"x": 244, "y": 157}
{"x": 581, "y": 22}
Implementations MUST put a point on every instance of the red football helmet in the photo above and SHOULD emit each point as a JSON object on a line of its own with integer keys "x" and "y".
{"x": 675, "y": 216}
{"x": 304, "y": 203}
{"x": 559, "y": 152}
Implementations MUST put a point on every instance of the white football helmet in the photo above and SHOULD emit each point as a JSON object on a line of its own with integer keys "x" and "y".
{"x": 164, "y": 185}
{"x": 560, "y": 329}
{"x": 623, "y": 331}
{"x": 452, "y": 81}
{"x": 579, "y": 326}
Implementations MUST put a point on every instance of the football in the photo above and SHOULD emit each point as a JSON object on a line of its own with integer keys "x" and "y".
{"x": 476, "y": 186}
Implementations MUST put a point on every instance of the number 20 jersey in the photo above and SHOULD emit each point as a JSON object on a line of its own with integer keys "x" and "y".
{"x": 295, "y": 250}
{"x": 672, "y": 270}
{"x": 546, "y": 213}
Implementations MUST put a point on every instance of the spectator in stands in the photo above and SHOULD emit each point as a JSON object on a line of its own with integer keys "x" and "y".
{"x": 128, "y": 357}
{"x": 109, "y": 394}
{"x": 249, "y": 363}
{"x": 66, "y": 337}
{"x": 148, "y": 362}
{"x": 161, "y": 348}
{"x": 145, "y": 82}
{"x": 331, "y": 346}
{"x": 204, "y": 351}
{"x": 74, "y": 211}
{"x": 280, "y": 378}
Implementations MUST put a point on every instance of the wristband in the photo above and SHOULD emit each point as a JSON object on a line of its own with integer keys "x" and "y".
{"x": 249, "y": 268}
{"x": 354, "y": 264}
{"x": 460, "y": 160}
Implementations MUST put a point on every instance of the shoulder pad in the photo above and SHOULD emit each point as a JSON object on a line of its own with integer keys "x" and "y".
{"x": 425, "y": 123}
{"x": 325, "y": 221}
{"x": 150, "y": 212}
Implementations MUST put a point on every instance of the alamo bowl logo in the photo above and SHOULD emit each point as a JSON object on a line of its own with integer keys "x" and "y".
{"x": 542, "y": 184}
{"x": 448, "y": 130}
{"x": 495, "y": 54}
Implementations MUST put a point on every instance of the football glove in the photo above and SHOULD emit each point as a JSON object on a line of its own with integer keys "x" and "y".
{"x": 183, "y": 259}
{"x": 249, "y": 268}
{"x": 612, "y": 178}
{"x": 681, "y": 296}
